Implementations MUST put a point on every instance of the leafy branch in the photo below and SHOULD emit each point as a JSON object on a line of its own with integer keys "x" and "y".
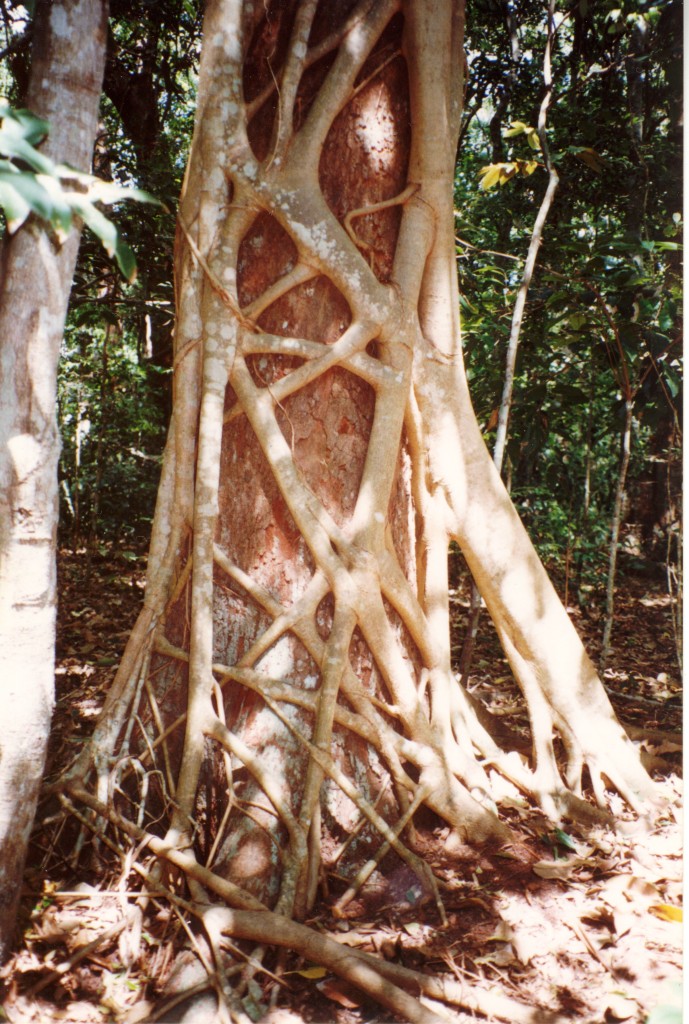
{"x": 31, "y": 183}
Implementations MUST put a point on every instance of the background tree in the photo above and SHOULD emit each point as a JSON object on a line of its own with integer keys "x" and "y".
{"x": 117, "y": 354}
{"x": 290, "y": 673}
{"x": 45, "y": 200}
{"x": 36, "y": 274}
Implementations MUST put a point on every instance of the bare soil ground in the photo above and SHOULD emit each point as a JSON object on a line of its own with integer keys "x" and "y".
{"x": 575, "y": 926}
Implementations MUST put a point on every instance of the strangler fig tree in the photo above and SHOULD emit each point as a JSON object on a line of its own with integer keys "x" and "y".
{"x": 289, "y": 680}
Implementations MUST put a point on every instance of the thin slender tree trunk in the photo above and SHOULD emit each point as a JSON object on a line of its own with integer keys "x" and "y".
{"x": 616, "y": 522}
{"x": 36, "y": 275}
{"x": 585, "y": 511}
{"x": 77, "y": 484}
{"x": 111, "y": 331}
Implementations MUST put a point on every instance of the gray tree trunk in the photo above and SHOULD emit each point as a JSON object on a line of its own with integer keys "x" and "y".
{"x": 35, "y": 281}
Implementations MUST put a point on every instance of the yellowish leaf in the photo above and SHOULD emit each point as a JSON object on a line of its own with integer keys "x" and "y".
{"x": 490, "y": 176}
{"x": 507, "y": 171}
{"x": 517, "y": 128}
{"x": 666, "y": 912}
{"x": 312, "y": 973}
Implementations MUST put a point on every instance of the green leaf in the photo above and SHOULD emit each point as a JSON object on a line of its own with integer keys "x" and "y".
{"x": 23, "y": 192}
{"x": 108, "y": 192}
{"x": 57, "y": 193}
{"x": 62, "y": 216}
{"x": 97, "y": 221}
{"x": 577, "y": 320}
{"x": 23, "y": 123}
{"x": 562, "y": 837}
{"x": 13, "y": 203}
{"x": 126, "y": 260}
{"x": 15, "y": 145}
{"x": 672, "y": 383}
{"x": 556, "y": 297}
{"x": 113, "y": 243}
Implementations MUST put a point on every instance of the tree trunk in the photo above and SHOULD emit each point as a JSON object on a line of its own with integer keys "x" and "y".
{"x": 615, "y": 525}
{"x": 36, "y": 275}
{"x": 291, "y": 666}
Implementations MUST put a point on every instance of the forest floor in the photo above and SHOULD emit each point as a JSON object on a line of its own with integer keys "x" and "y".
{"x": 576, "y": 926}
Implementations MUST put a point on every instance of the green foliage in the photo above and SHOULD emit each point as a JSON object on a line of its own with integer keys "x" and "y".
{"x": 112, "y": 424}
{"x": 32, "y": 183}
{"x": 603, "y": 316}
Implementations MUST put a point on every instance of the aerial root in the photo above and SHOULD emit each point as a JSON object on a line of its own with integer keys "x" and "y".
{"x": 397, "y": 988}
{"x": 367, "y": 870}
{"x": 180, "y": 859}
{"x": 388, "y": 983}
{"x": 329, "y": 768}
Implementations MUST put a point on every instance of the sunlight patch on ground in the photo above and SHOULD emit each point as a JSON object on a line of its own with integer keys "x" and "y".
{"x": 661, "y": 601}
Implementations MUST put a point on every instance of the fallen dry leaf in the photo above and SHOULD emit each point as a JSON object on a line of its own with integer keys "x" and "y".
{"x": 340, "y": 992}
{"x": 140, "y": 1013}
{"x": 559, "y": 869}
{"x": 620, "y": 890}
{"x": 501, "y": 957}
{"x": 670, "y": 844}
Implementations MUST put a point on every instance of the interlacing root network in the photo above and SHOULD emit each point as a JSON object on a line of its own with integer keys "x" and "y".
{"x": 402, "y": 340}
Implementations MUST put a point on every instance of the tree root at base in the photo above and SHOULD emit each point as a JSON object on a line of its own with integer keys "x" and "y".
{"x": 399, "y": 989}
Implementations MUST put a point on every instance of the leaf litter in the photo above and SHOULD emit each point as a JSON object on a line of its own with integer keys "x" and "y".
{"x": 582, "y": 926}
